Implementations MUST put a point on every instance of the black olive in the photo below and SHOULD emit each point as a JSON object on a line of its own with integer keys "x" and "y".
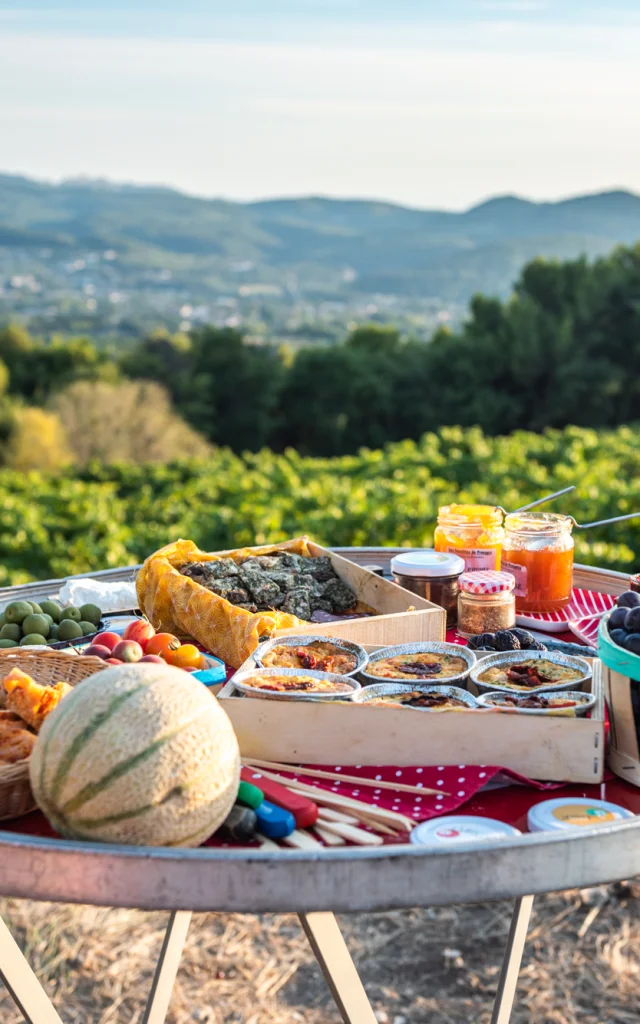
{"x": 486, "y": 649}
{"x": 505, "y": 640}
{"x": 536, "y": 645}
{"x": 628, "y": 600}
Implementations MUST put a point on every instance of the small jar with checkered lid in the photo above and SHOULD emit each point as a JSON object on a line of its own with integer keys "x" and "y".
{"x": 486, "y": 602}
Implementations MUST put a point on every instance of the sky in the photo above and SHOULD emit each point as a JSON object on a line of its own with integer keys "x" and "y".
{"x": 431, "y": 103}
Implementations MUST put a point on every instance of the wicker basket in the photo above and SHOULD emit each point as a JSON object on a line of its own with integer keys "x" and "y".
{"x": 46, "y": 667}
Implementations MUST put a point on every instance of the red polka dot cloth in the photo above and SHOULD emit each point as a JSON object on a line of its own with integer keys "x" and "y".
{"x": 452, "y": 786}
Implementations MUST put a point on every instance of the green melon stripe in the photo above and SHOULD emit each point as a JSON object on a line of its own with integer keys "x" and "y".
{"x": 83, "y": 737}
{"x": 113, "y": 819}
{"x": 94, "y": 788}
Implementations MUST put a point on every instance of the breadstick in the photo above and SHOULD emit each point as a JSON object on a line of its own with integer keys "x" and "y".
{"x": 317, "y": 773}
{"x": 323, "y": 796}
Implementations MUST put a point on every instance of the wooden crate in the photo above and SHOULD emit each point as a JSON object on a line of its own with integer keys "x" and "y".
{"x": 624, "y": 751}
{"x": 402, "y": 617}
{"x": 553, "y": 749}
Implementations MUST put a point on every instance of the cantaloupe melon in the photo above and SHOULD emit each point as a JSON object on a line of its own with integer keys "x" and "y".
{"x": 139, "y": 754}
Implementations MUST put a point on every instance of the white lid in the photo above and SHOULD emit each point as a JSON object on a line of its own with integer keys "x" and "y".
{"x": 427, "y": 563}
{"x": 457, "y": 828}
{"x": 567, "y": 813}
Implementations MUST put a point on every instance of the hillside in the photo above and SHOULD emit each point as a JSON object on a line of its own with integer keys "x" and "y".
{"x": 167, "y": 249}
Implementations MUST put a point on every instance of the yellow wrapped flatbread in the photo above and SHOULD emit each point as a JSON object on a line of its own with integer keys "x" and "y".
{"x": 174, "y": 603}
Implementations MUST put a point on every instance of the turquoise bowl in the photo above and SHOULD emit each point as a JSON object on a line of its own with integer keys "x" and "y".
{"x": 614, "y": 657}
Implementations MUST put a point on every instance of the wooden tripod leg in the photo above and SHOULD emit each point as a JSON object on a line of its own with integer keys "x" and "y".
{"x": 168, "y": 963}
{"x": 24, "y": 988}
{"x": 512, "y": 959}
{"x": 330, "y": 950}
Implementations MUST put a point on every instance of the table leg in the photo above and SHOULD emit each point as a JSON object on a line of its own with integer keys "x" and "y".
{"x": 340, "y": 974}
{"x": 512, "y": 959}
{"x": 168, "y": 963}
{"x": 22, "y": 984}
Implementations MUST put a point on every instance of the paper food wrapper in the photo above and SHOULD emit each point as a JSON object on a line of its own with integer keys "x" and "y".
{"x": 109, "y": 597}
{"x": 174, "y": 603}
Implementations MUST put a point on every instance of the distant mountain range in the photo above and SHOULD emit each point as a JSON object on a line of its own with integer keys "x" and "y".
{"x": 318, "y": 247}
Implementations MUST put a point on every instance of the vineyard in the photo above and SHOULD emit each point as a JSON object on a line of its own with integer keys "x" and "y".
{"x": 109, "y": 515}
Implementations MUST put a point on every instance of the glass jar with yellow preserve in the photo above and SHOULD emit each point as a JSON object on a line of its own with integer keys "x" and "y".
{"x": 474, "y": 532}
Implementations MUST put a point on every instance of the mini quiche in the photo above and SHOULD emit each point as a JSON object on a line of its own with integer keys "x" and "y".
{"x": 424, "y": 699}
{"x": 424, "y": 665}
{"x": 321, "y": 655}
{"x": 296, "y": 684}
{"x": 537, "y": 701}
{"x": 528, "y": 675}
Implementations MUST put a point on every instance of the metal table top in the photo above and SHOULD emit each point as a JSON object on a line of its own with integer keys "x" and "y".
{"x": 345, "y": 879}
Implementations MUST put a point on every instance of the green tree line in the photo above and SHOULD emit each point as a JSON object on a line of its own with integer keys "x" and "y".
{"x": 564, "y": 349}
{"x": 108, "y": 515}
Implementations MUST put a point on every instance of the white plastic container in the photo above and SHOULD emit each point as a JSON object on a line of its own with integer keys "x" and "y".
{"x": 566, "y": 814}
{"x": 460, "y": 828}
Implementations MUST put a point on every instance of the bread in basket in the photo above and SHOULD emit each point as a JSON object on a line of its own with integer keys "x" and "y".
{"x": 47, "y": 668}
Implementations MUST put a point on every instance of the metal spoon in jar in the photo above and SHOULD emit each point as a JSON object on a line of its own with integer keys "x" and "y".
{"x": 604, "y": 522}
{"x": 540, "y": 501}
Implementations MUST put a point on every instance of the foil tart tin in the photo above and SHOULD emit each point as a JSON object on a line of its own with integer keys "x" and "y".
{"x": 496, "y": 698}
{"x": 421, "y": 647}
{"x": 240, "y": 681}
{"x": 506, "y": 658}
{"x": 376, "y": 690}
{"x": 301, "y": 641}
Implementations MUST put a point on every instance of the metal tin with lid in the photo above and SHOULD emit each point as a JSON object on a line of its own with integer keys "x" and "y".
{"x": 567, "y": 813}
{"x": 486, "y": 602}
{"x": 460, "y": 828}
{"x": 430, "y": 574}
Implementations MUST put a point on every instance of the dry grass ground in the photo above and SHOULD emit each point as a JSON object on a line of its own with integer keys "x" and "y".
{"x": 581, "y": 966}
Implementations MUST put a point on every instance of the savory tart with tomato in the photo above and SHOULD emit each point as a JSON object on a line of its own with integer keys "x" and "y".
{"x": 424, "y": 665}
{"x": 296, "y": 684}
{"x": 530, "y": 674}
{"x": 321, "y": 655}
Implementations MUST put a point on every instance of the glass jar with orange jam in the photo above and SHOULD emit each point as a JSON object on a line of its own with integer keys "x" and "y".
{"x": 474, "y": 532}
{"x": 538, "y": 551}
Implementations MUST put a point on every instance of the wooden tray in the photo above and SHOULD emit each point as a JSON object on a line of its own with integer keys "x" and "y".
{"x": 549, "y": 748}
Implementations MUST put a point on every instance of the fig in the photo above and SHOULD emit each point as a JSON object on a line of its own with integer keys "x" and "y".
{"x": 527, "y": 640}
{"x": 505, "y": 640}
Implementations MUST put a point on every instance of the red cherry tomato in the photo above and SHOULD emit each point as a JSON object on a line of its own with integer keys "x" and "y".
{"x": 161, "y": 644}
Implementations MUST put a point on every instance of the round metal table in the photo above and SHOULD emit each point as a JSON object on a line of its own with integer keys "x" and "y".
{"x": 313, "y": 885}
